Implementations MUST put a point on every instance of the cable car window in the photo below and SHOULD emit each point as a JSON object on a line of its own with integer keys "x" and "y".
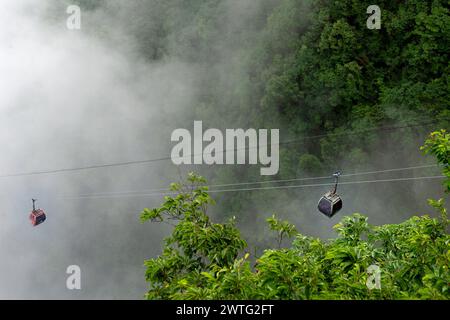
{"x": 325, "y": 206}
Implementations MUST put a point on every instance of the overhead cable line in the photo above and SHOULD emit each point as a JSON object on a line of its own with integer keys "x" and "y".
{"x": 146, "y": 161}
{"x": 256, "y": 188}
{"x": 268, "y": 181}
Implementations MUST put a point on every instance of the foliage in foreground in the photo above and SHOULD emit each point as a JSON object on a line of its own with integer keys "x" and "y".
{"x": 438, "y": 144}
{"x": 206, "y": 260}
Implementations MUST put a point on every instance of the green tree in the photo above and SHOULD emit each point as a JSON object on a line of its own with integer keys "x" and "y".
{"x": 205, "y": 260}
{"x": 196, "y": 247}
{"x": 438, "y": 144}
{"x": 282, "y": 228}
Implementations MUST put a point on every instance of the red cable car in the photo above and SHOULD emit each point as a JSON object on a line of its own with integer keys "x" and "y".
{"x": 37, "y": 216}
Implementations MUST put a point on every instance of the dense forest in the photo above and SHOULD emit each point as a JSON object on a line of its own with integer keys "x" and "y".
{"x": 309, "y": 67}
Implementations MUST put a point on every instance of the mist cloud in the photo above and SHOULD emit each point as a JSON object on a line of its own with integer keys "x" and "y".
{"x": 68, "y": 99}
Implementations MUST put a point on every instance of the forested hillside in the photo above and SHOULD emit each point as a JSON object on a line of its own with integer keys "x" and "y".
{"x": 306, "y": 66}
{"x": 309, "y": 67}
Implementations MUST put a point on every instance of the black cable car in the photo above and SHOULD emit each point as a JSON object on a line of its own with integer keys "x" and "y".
{"x": 331, "y": 203}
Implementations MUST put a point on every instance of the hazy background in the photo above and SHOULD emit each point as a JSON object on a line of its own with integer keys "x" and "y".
{"x": 90, "y": 96}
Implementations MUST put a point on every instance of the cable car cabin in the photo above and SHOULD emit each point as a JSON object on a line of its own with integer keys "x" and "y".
{"x": 329, "y": 204}
{"x": 37, "y": 216}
